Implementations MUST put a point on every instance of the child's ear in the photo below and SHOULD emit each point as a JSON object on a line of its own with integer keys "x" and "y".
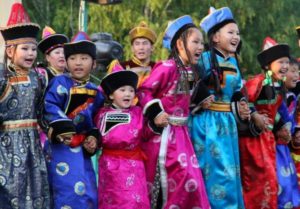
{"x": 216, "y": 37}
{"x": 94, "y": 64}
{"x": 111, "y": 97}
{"x": 179, "y": 44}
{"x": 10, "y": 52}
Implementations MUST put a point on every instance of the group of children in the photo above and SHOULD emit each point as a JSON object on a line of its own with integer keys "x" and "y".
{"x": 191, "y": 134}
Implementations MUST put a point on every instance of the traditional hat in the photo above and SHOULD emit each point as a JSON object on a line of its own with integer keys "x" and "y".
{"x": 142, "y": 31}
{"x": 19, "y": 29}
{"x": 272, "y": 51}
{"x": 117, "y": 79}
{"x": 298, "y": 31}
{"x": 216, "y": 19}
{"x": 80, "y": 44}
{"x": 51, "y": 40}
{"x": 175, "y": 29}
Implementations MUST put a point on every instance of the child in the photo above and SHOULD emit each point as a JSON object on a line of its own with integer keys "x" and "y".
{"x": 295, "y": 144}
{"x": 122, "y": 181}
{"x": 23, "y": 173}
{"x": 165, "y": 96}
{"x": 69, "y": 96}
{"x": 289, "y": 193}
{"x": 258, "y": 164}
{"x": 214, "y": 126}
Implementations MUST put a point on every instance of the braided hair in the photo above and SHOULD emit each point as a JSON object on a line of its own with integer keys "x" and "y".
{"x": 183, "y": 33}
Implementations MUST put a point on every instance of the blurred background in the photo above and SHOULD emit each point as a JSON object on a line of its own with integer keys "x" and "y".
{"x": 256, "y": 19}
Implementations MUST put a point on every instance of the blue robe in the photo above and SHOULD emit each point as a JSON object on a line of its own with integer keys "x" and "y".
{"x": 289, "y": 194}
{"x": 71, "y": 175}
{"x": 23, "y": 172}
{"x": 215, "y": 138}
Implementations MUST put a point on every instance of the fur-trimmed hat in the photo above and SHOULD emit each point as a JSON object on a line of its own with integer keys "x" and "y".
{"x": 272, "y": 51}
{"x": 80, "y": 44}
{"x": 19, "y": 29}
{"x": 175, "y": 29}
{"x": 117, "y": 79}
{"x": 143, "y": 31}
{"x": 51, "y": 40}
{"x": 216, "y": 19}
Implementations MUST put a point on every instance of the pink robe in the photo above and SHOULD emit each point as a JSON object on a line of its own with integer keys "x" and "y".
{"x": 122, "y": 181}
{"x": 180, "y": 175}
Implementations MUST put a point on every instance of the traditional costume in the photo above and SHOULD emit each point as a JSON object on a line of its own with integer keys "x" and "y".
{"x": 23, "y": 173}
{"x": 50, "y": 41}
{"x": 214, "y": 130}
{"x": 172, "y": 163}
{"x": 67, "y": 103}
{"x": 258, "y": 153}
{"x": 295, "y": 147}
{"x": 122, "y": 181}
{"x": 134, "y": 64}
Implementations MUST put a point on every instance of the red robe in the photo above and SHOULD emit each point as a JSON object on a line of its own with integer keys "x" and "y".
{"x": 257, "y": 154}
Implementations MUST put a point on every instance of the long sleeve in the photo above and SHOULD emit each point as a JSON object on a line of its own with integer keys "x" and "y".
{"x": 56, "y": 98}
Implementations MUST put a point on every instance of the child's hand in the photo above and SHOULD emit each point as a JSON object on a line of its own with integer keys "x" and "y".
{"x": 161, "y": 120}
{"x": 65, "y": 138}
{"x": 206, "y": 103}
{"x": 244, "y": 110}
{"x": 261, "y": 121}
{"x": 284, "y": 134}
{"x": 90, "y": 144}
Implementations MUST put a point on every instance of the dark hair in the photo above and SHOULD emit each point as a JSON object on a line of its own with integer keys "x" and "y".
{"x": 217, "y": 73}
{"x": 180, "y": 66}
{"x": 294, "y": 61}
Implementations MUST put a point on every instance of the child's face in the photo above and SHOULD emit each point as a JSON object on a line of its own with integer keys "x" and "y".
{"x": 123, "y": 97}
{"x": 142, "y": 49}
{"x": 22, "y": 55}
{"x": 279, "y": 68}
{"x": 194, "y": 47}
{"x": 56, "y": 59}
{"x": 292, "y": 76}
{"x": 80, "y": 66}
{"x": 227, "y": 39}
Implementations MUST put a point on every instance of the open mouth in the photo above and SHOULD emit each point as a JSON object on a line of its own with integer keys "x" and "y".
{"x": 28, "y": 60}
{"x": 78, "y": 70}
{"x": 126, "y": 100}
{"x": 197, "y": 54}
{"x": 283, "y": 71}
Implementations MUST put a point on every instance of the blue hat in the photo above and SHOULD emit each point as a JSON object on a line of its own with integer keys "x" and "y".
{"x": 80, "y": 44}
{"x": 175, "y": 28}
{"x": 216, "y": 19}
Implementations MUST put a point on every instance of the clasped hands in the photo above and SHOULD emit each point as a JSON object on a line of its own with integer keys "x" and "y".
{"x": 89, "y": 143}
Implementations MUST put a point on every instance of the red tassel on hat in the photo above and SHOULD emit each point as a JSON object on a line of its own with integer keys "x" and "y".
{"x": 268, "y": 42}
{"x": 17, "y": 15}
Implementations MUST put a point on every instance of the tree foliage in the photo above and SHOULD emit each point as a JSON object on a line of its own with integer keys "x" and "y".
{"x": 256, "y": 19}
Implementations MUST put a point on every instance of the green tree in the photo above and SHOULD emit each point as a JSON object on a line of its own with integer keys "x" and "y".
{"x": 256, "y": 20}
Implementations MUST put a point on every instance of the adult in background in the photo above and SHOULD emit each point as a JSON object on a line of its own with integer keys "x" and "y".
{"x": 52, "y": 46}
{"x": 142, "y": 40}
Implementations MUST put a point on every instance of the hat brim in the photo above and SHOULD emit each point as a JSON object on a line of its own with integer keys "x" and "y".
{"x": 273, "y": 53}
{"x": 115, "y": 80}
{"x": 52, "y": 42}
{"x": 80, "y": 47}
{"x": 15, "y": 34}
